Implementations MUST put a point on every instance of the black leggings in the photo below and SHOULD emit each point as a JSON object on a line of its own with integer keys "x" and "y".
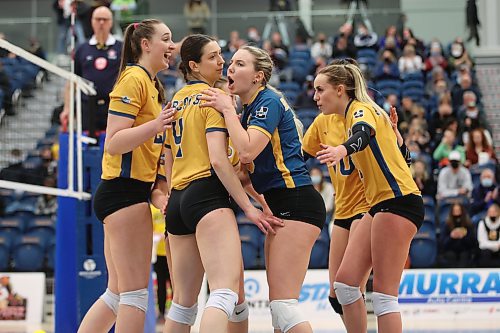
{"x": 162, "y": 276}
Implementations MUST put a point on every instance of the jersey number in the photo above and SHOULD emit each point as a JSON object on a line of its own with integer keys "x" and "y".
{"x": 177, "y": 129}
{"x": 346, "y": 171}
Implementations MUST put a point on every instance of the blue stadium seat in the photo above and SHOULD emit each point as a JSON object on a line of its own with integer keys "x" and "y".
{"x": 430, "y": 215}
{"x": 429, "y": 201}
{"x": 291, "y": 96}
{"x": 423, "y": 248}
{"x": 252, "y": 244}
{"x": 12, "y": 224}
{"x": 320, "y": 250}
{"x": 28, "y": 254}
{"x": 413, "y": 76}
{"x": 4, "y": 252}
{"x": 304, "y": 55}
{"x": 387, "y": 83}
{"x": 417, "y": 84}
{"x": 45, "y": 224}
{"x": 292, "y": 86}
{"x": 50, "y": 254}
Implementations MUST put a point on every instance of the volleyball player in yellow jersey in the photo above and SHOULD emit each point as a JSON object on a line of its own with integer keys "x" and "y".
{"x": 131, "y": 161}
{"x": 382, "y": 238}
{"x": 201, "y": 227}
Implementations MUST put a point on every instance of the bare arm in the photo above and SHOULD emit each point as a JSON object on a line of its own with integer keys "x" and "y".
{"x": 121, "y": 137}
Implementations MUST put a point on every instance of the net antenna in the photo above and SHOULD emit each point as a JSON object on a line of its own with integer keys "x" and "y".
{"x": 82, "y": 85}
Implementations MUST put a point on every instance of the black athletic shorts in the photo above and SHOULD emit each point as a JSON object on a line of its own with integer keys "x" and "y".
{"x": 188, "y": 206}
{"x": 409, "y": 206}
{"x": 115, "y": 194}
{"x": 346, "y": 223}
{"x": 303, "y": 204}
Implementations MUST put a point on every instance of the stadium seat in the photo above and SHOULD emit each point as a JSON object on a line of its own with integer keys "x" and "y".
{"x": 28, "y": 254}
{"x": 385, "y": 84}
{"x": 304, "y": 55}
{"x": 12, "y": 224}
{"x": 50, "y": 254}
{"x": 292, "y": 86}
{"x": 43, "y": 224}
{"x": 4, "y": 252}
{"x": 423, "y": 248}
{"x": 252, "y": 243}
{"x": 320, "y": 250}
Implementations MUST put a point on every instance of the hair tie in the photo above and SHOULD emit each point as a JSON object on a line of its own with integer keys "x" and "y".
{"x": 136, "y": 25}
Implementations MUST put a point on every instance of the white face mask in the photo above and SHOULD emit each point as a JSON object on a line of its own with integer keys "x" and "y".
{"x": 486, "y": 182}
{"x": 316, "y": 180}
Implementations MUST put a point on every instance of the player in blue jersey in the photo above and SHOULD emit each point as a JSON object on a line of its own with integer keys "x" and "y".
{"x": 268, "y": 140}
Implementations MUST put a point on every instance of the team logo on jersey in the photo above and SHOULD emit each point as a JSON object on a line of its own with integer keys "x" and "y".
{"x": 261, "y": 113}
{"x": 358, "y": 114}
{"x": 100, "y": 63}
{"x": 112, "y": 54}
{"x": 126, "y": 100}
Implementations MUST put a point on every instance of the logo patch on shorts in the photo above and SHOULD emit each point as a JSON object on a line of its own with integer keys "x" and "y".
{"x": 126, "y": 100}
{"x": 261, "y": 113}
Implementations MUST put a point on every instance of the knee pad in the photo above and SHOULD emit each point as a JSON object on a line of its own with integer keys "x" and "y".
{"x": 285, "y": 314}
{"x": 346, "y": 294}
{"x": 240, "y": 313}
{"x": 182, "y": 314}
{"x": 111, "y": 299}
{"x": 334, "y": 302}
{"x": 384, "y": 304}
{"x": 135, "y": 298}
{"x": 223, "y": 299}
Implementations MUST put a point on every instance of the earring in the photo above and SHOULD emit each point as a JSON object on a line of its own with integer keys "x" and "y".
{"x": 254, "y": 81}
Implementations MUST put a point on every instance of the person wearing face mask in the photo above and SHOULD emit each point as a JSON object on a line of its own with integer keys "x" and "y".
{"x": 387, "y": 67}
{"x": 458, "y": 242}
{"x": 484, "y": 193}
{"x": 321, "y": 48}
{"x": 459, "y": 56}
{"x": 479, "y": 145}
{"x": 365, "y": 39}
{"x": 325, "y": 189}
{"x": 454, "y": 180}
{"x": 435, "y": 58}
{"x": 488, "y": 236}
{"x": 446, "y": 146}
{"x": 470, "y": 113}
{"x": 253, "y": 36}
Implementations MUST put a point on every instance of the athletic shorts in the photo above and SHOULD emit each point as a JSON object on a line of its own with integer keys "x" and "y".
{"x": 188, "y": 206}
{"x": 346, "y": 223}
{"x": 117, "y": 193}
{"x": 303, "y": 204}
{"x": 409, "y": 206}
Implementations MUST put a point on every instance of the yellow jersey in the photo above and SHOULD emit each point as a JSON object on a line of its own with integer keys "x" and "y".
{"x": 349, "y": 192}
{"x": 187, "y": 137}
{"x": 159, "y": 228}
{"x": 135, "y": 96}
{"x": 383, "y": 169}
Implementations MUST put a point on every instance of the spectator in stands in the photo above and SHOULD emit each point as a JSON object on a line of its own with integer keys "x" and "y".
{"x": 5, "y": 86}
{"x": 459, "y": 56}
{"x": 457, "y": 239}
{"x": 321, "y": 47}
{"x": 390, "y": 100}
{"x": 440, "y": 118}
{"x": 277, "y": 43}
{"x": 306, "y": 98}
{"x": 485, "y": 193}
{"x": 478, "y": 145}
{"x": 325, "y": 189}
{"x": 253, "y": 36}
{"x": 470, "y": 114}
{"x": 488, "y": 236}
{"x": 446, "y": 146}
{"x": 436, "y": 58}
{"x": 438, "y": 83}
{"x": 197, "y": 14}
{"x": 342, "y": 49}
{"x": 418, "y": 134}
{"x": 387, "y": 68}
{"x": 410, "y": 39}
{"x": 410, "y": 62}
{"x": 234, "y": 42}
{"x": 46, "y": 204}
{"x": 15, "y": 171}
{"x": 391, "y": 38}
{"x": 425, "y": 183}
{"x": 365, "y": 39}
{"x": 454, "y": 180}
{"x": 346, "y": 31}
{"x": 98, "y": 61}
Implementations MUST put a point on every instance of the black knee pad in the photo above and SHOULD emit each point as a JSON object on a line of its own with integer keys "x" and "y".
{"x": 336, "y": 305}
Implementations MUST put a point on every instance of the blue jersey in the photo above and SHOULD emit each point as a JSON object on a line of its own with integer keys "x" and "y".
{"x": 281, "y": 163}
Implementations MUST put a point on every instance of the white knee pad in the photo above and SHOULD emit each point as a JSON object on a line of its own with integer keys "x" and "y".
{"x": 384, "y": 304}
{"x": 240, "y": 313}
{"x": 182, "y": 314}
{"x": 224, "y": 299}
{"x": 111, "y": 299}
{"x": 285, "y": 314}
{"x": 346, "y": 294}
{"x": 135, "y": 298}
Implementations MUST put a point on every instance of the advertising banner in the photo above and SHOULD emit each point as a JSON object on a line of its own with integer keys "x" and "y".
{"x": 22, "y": 297}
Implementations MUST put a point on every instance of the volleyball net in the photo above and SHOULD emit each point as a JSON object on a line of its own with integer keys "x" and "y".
{"x": 18, "y": 134}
